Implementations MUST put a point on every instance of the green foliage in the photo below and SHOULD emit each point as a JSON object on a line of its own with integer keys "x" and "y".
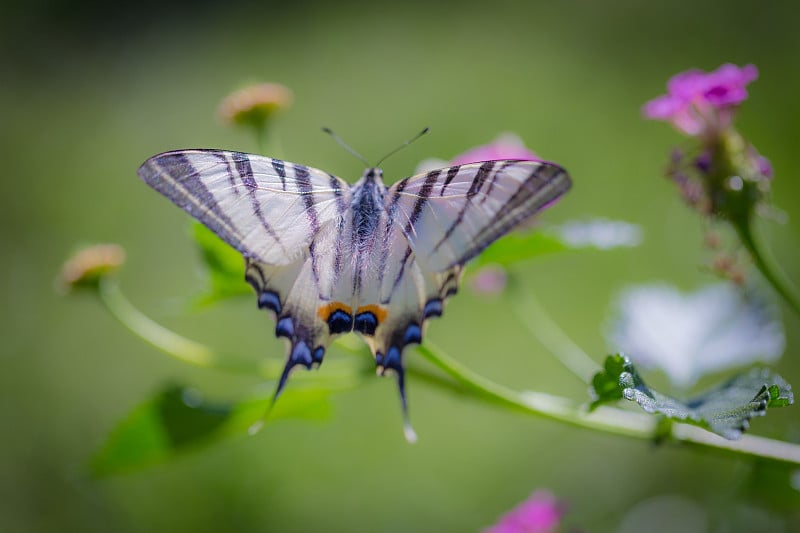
{"x": 224, "y": 267}
{"x": 606, "y": 384}
{"x": 177, "y": 419}
{"x": 725, "y": 410}
{"x": 577, "y": 235}
{"x": 520, "y": 247}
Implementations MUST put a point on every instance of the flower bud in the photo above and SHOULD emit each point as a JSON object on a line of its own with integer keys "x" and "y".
{"x": 88, "y": 266}
{"x": 255, "y": 105}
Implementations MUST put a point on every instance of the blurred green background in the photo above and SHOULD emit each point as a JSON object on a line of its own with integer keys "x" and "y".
{"x": 90, "y": 91}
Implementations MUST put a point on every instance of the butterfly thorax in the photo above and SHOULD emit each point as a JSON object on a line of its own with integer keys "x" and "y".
{"x": 367, "y": 208}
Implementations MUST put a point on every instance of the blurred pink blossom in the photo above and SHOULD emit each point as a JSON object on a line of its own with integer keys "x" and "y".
{"x": 540, "y": 513}
{"x": 490, "y": 280}
{"x": 505, "y": 146}
{"x": 762, "y": 164}
{"x": 702, "y": 103}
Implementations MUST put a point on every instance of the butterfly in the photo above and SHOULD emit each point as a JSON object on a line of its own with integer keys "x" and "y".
{"x": 326, "y": 258}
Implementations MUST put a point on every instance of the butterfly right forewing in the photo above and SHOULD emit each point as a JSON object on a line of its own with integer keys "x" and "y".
{"x": 450, "y": 215}
{"x": 435, "y": 223}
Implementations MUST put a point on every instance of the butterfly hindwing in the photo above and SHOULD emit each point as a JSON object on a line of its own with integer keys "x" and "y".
{"x": 267, "y": 209}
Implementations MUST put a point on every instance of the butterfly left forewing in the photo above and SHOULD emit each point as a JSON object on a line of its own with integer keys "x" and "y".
{"x": 267, "y": 209}
{"x": 283, "y": 217}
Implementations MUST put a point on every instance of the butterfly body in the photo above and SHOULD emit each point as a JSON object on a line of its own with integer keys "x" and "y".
{"x": 329, "y": 259}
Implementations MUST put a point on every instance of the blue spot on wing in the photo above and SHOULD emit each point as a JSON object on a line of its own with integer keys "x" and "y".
{"x": 366, "y": 323}
{"x": 393, "y": 360}
{"x": 432, "y": 308}
{"x": 269, "y": 300}
{"x": 413, "y": 334}
{"x": 340, "y": 322}
{"x": 284, "y": 327}
{"x": 301, "y": 355}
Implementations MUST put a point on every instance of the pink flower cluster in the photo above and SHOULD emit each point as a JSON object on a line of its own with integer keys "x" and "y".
{"x": 506, "y": 146}
{"x": 492, "y": 280}
{"x": 702, "y": 103}
{"x": 540, "y": 513}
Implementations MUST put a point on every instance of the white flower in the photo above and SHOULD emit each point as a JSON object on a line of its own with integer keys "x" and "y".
{"x": 600, "y": 233}
{"x": 690, "y": 335}
{"x": 432, "y": 163}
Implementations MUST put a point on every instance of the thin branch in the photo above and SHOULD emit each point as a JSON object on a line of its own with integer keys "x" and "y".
{"x": 608, "y": 419}
{"x": 533, "y": 317}
{"x": 769, "y": 271}
{"x": 169, "y": 342}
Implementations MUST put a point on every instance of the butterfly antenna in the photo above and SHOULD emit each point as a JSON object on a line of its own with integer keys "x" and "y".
{"x": 345, "y": 146}
{"x": 414, "y": 138}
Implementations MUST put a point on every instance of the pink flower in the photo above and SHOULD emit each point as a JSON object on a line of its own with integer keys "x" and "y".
{"x": 762, "y": 165}
{"x": 540, "y": 513}
{"x": 506, "y": 146}
{"x": 490, "y": 280}
{"x": 702, "y": 103}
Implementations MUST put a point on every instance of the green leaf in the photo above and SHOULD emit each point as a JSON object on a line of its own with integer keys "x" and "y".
{"x": 224, "y": 265}
{"x": 520, "y": 247}
{"x": 177, "y": 419}
{"x": 597, "y": 234}
{"x": 725, "y": 410}
{"x": 605, "y": 384}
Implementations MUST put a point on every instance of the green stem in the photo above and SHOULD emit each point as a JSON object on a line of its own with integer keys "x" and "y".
{"x": 533, "y": 317}
{"x": 194, "y": 353}
{"x": 770, "y": 273}
{"x": 261, "y": 139}
{"x": 169, "y": 342}
{"x": 268, "y": 142}
{"x": 607, "y": 419}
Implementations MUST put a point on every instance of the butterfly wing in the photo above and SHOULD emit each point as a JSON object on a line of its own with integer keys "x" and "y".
{"x": 449, "y": 216}
{"x": 284, "y": 218}
{"x": 438, "y": 221}
{"x": 267, "y": 209}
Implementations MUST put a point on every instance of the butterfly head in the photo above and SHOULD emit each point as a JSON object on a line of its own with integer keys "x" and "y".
{"x": 373, "y": 174}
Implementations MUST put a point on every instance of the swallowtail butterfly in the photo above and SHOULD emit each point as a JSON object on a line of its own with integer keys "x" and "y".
{"x": 326, "y": 258}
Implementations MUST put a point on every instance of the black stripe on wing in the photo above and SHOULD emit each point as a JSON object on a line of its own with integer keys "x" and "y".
{"x": 477, "y": 183}
{"x": 465, "y": 208}
{"x": 173, "y": 175}
{"x": 245, "y": 170}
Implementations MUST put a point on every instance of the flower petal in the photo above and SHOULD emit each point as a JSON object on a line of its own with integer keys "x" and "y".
{"x": 690, "y": 335}
{"x": 540, "y": 513}
{"x": 505, "y": 146}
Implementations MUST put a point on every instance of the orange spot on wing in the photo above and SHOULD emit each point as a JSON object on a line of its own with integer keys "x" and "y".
{"x": 379, "y": 312}
{"x": 325, "y": 311}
